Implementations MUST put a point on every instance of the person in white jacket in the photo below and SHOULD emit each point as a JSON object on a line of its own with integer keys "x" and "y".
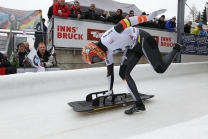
{"x": 45, "y": 57}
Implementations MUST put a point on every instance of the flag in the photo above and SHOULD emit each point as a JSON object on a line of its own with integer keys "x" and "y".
{"x": 52, "y": 51}
{"x": 19, "y": 19}
{"x": 35, "y": 60}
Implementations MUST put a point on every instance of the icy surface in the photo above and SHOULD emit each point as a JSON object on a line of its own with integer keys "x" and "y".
{"x": 34, "y": 106}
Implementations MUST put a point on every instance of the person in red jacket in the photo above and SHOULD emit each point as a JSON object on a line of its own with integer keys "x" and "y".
{"x": 61, "y": 9}
{"x": 75, "y": 10}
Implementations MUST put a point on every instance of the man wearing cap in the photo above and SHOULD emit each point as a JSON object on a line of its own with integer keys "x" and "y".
{"x": 131, "y": 13}
{"x": 197, "y": 29}
{"x": 171, "y": 24}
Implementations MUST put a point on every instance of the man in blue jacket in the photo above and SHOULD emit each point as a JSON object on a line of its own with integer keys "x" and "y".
{"x": 171, "y": 24}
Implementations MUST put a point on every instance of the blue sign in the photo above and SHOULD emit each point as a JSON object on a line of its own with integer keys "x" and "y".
{"x": 195, "y": 44}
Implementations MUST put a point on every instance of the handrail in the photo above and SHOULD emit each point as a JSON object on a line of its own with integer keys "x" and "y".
{"x": 8, "y": 41}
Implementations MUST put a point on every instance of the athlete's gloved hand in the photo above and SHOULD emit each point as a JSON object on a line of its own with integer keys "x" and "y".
{"x": 110, "y": 92}
{"x": 178, "y": 47}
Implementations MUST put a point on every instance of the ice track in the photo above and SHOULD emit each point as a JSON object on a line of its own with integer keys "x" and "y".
{"x": 34, "y": 105}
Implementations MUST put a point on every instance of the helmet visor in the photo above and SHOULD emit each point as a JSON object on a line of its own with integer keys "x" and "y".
{"x": 95, "y": 59}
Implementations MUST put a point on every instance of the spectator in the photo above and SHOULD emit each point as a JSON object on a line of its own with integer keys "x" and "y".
{"x": 105, "y": 16}
{"x": 20, "y": 59}
{"x": 45, "y": 57}
{"x": 203, "y": 33}
{"x": 161, "y": 22}
{"x": 197, "y": 29}
{"x": 27, "y": 46}
{"x": 75, "y": 10}
{"x": 91, "y": 14}
{"x": 4, "y": 62}
{"x": 61, "y": 9}
{"x": 50, "y": 10}
{"x": 131, "y": 13}
{"x": 151, "y": 24}
{"x": 144, "y": 24}
{"x": 118, "y": 16}
{"x": 171, "y": 24}
{"x": 44, "y": 26}
{"x": 44, "y": 30}
{"x": 187, "y": 27}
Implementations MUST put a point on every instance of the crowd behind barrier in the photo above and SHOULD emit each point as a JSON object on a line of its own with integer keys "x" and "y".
{"x": 20, "y": 59}
{"x": 60, "y": 8}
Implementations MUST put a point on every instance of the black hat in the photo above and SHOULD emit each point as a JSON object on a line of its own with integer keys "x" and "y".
{"x": 163, "y": 16}
{"x": 43, "y": 19}
{"x": 144, "y": 13}
{"x": 131, "y": 11}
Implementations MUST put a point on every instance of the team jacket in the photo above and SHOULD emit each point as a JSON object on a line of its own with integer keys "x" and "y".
{"x": 64, "y": 9}
{"x": 74, "y": 12}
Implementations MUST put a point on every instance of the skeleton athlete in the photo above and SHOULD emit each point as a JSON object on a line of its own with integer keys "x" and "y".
{"x": 136, "y": 43}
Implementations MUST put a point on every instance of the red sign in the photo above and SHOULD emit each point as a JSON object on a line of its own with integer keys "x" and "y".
{"x": 166, "y": 42}
{"x": 94, "y": 34}
{"x": 68, "y": 32}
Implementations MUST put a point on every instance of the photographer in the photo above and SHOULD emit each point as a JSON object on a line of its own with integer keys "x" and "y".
{"x": 45, "y": 57}
{"x": 20, "y": 59}
{"x": 4, "y": 62}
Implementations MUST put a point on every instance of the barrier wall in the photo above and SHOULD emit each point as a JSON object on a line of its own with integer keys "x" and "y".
{"x": 75, "y": 33}
{"x": 197, "y": 48}
{"x": 195, "y": 44}
{"x": 19, "y": 85}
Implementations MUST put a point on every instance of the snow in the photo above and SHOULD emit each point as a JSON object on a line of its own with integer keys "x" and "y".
{"x": 34, "y": 106}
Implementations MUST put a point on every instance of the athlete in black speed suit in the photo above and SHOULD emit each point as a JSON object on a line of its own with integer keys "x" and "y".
{"x": 136, "y": 43}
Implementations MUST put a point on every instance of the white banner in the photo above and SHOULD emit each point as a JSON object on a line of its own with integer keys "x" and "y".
{"x": 35, "y": 60}
{"x": 76, "y": 33}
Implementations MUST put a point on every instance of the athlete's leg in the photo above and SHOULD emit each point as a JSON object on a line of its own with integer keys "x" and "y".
{"x": 129, "y": 60}
{"x": 152, "y": 53}
{"x": 126, "y": 67}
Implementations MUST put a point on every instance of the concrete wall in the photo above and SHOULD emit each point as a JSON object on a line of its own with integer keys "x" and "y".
{"x": 193, "y": 58}
{"x": 67, "y": 60}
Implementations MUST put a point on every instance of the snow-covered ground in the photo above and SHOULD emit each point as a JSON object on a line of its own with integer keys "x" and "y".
{"x": 34, "y": 105}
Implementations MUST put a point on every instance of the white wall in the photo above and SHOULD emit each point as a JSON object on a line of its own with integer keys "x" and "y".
{"x": 19, "y": 85}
